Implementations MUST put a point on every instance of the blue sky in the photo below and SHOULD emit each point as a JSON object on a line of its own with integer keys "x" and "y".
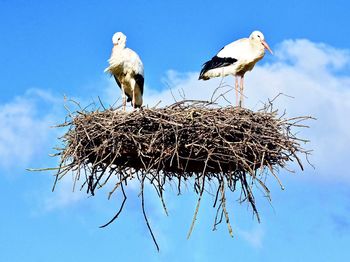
{"x": 52, "y": 49}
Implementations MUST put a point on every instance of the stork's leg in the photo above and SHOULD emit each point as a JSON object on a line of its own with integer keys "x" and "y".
{"x": 124, "y": 99}
{"x": 133, "y": 86}
{"x": 236, "y": 88}
{"x": 241, "y": 91}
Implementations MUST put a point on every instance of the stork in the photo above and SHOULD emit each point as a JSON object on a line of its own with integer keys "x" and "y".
{"x": 236, "y": 59}
{"x": 126, "y": 67}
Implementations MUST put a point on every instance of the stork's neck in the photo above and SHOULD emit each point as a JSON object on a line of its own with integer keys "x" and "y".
{"x": 257, "y": 47}
{"x": 119, "y": 46}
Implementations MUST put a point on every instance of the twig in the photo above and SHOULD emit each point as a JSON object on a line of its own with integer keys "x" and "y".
{"x": 119, "y": 211}
{"x": 144, "y": 213}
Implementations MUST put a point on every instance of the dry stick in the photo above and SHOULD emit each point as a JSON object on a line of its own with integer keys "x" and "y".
{"x": 110, "y": 173}
{"x": 250, "y": 195}
{"x": 120, "y": 183}
{"x": 223, "y": 201}
{"x": 62, "y": 173}
{"x": 298, "y": 160}
{"x": 161, "y": 189}
{"x": 197, "y": 208}
{"x": 55, "y": 182}
{"x": 99, "y": 99}
{"x": 222, "y": 94}
{"x": 199, "y": 198}
{"x": 43, "y": 169}
{"x": 307, "y": 159}
{"x": 144, "y": 213}
{"x": 277, "y": 178}
{"x": 120, "y": 209}
{"x": 217, "y": 193}
{"x": 216, "y": 221}
{"x": 76, "y": 178}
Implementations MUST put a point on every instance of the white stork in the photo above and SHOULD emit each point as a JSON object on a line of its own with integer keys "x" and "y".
{"x": 126, "y": 67}
{"x": 236, "y": 59}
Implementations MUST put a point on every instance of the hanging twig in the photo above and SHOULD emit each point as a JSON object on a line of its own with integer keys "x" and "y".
{"x": 144, "y": 213}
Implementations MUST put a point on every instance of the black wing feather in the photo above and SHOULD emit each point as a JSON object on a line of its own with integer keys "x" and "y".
{"x": 140, "y": 82}
{"x": 216, "y": 62}
{"x": 116, "y": 79}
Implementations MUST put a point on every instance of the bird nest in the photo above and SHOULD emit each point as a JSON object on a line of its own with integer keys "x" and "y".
{"x": 233, "y": 147}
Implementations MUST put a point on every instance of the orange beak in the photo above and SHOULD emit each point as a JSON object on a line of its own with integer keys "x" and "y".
{"x": 266, "y": 46}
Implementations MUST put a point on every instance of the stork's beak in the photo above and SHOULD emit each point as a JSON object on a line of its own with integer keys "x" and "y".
{"x": 266, "y": 46}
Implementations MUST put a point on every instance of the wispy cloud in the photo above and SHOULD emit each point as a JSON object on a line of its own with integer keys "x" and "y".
{"x": 254, "y": 237}
{"x": 63, "y": 196}
{"x": 25, "y": 127}
{"x": 27, "y": 137}
{"x": 321, "y": 86}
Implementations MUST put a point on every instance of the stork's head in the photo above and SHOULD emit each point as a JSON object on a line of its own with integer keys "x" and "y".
{"x": 258, "y": 37}
{"x": 119, "y": 39}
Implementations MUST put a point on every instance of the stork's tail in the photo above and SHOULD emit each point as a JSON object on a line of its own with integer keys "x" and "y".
{"x": 204, "y": 70}
{"x": 202, "y": 75}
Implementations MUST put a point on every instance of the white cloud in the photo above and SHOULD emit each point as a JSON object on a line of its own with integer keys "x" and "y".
{"x": 321, "y": 90}
{"x": 312, "y": 57}
{"x": 27, "y": 137}
{"x": 25, "y": 127}
{"x": 64, "y": 195}
{"x": 254, "y": 237}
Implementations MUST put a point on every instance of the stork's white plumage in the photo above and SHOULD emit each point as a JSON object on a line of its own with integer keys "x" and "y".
{"x": 126, "y": 67}
{"x": 236, "y": 59}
